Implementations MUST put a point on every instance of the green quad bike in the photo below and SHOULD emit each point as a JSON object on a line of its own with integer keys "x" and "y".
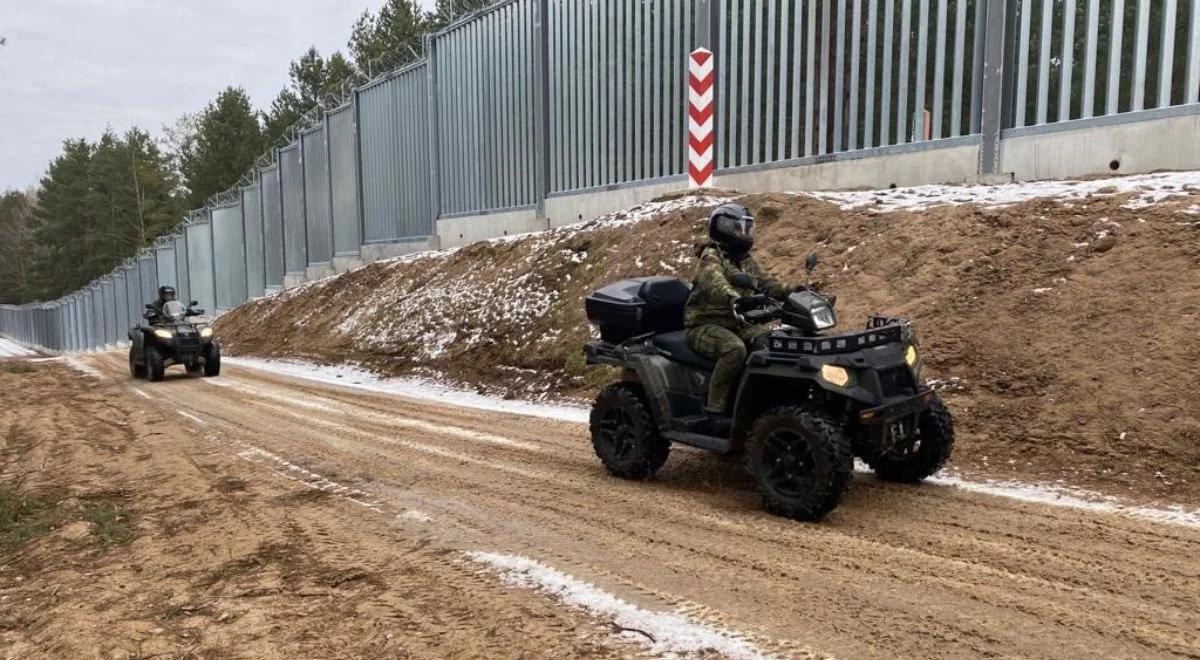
{"x": 806, "y": 405}
{"x": 173, "y": 338}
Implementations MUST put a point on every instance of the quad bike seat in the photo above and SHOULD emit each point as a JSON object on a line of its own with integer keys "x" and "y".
{"x": 675, "y": 346}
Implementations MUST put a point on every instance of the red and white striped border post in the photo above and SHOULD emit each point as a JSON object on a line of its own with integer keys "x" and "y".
{"x": 701, "y": 83}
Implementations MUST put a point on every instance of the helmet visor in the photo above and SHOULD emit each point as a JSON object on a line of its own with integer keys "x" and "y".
{"x": 736, "y": 227}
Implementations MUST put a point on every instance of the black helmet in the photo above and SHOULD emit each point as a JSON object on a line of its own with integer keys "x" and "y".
{"x": 165, "y": 291}
{"x": 732, "y": 227}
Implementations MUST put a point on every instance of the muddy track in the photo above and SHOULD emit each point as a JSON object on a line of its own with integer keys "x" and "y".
{"x": 895, "y": 572}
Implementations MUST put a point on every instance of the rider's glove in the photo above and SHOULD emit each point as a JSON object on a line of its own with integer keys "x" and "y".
{"x": 746, "y": 303}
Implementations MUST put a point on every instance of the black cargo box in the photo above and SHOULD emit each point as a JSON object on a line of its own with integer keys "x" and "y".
{"x": 638, "y": 306}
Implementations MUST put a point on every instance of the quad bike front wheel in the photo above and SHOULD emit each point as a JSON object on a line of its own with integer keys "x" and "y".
{"x": 136, "y": 370}
{"x": 212, "y": 361}
{"x": 801, "y": 462}
{"x": 922, "y": 455}
{"x": 156, "y": 367}
{"x": 624, "y": 435}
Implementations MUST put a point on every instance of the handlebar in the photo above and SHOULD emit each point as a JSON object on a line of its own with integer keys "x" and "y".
{"x": 763, "y": 315}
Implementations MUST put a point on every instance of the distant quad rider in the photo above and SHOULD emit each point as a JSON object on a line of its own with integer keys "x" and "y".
{"x": 165, "y": 295}
{"x": 729, "y": 281}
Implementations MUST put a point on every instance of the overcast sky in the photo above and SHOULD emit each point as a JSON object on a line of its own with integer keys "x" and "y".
{"x": 73, "y": 67}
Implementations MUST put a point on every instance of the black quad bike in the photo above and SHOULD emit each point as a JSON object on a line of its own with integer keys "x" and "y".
{"x": 173, "y": 338}
{"x": 807, "y": 404}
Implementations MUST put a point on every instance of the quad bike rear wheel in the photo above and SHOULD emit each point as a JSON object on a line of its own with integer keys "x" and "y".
{"x": 136, "y": 370}
{"x": 212, "y": 361}
{"x": 801, "y": 462}
{"x": 924, "y": 454}
{"x": 156, "y": 366}
{"x": 624, "y": 435}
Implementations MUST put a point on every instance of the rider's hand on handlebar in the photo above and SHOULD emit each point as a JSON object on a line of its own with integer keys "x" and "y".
{"x": 751, "y": 302}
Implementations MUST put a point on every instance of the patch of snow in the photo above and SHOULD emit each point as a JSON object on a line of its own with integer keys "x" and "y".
{"x": 1194, "y": 209}
{"x": 1150, "y": 189}
{"x": 286, "y": 469}
{"x": 1072, "y": 498}
{"x": 662, "y": 633}
{"x": 11, "y": 349}
{"x": 83, "y": 367}
{"x": 192, "y": 417}
{"x": 1042, "y": 290}
{"x": 413, "y": 514}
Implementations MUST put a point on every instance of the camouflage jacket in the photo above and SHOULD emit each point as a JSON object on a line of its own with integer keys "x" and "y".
{"x": 711, "y": 300}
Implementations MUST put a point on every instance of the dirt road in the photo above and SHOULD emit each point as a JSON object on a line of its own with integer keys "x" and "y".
{"x": 895, "y": 572}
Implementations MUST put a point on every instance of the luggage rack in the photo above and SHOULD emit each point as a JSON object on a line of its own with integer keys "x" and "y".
{"x": 880, "y": 330}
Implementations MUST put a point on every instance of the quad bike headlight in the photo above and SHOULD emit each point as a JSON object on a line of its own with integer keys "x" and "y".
{"x": 163, "y": 334}
{"x": 835, "y": 375}
{"x": 206, "y": 332}
{"x": 910, "y": 356}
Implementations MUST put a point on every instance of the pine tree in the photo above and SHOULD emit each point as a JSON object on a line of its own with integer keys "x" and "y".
{"x": 98, "y": 205}
{"x": 314, "y": 81}
{"x": 389, "y": 39}
{"x": 16, "y": 244}
{"x": 226, "y": 140}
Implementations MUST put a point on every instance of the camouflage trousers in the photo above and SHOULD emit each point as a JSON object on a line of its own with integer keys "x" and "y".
{"x": 728, "y": 349}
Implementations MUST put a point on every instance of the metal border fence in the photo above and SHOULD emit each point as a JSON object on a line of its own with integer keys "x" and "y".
{"x": 536, "y": 98}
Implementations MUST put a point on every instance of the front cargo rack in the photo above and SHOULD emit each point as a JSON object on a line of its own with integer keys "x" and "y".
{"x": 880, "y": 330}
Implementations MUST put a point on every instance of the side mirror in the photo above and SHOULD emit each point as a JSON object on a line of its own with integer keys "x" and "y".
{"x": 193, "y": 303}
{"x": 810, "y": 263}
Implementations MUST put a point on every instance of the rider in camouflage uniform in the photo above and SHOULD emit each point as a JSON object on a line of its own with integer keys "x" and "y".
{"x": 728, "y": 281}
{"x": 165, "y": 295}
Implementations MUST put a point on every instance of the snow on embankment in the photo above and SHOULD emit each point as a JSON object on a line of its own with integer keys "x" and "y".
{"x": 1059, "y": 320}
{"x": 11, "y": 349}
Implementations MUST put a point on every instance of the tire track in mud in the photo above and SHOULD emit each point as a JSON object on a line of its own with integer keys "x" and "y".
{"x": 897, "y": 571}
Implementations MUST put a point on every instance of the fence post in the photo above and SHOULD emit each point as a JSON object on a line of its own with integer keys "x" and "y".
{"x": 707, "y": 21}
{"x": 541, "y": 107}
{"x": 996, "y": 102}
{"x": 435, "y": 140}
{"x": 358, "y": 178}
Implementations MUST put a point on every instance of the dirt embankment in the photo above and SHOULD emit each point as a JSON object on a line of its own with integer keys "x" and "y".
{"x": 1063, "y": 334}
{"x": 124, "y": 534}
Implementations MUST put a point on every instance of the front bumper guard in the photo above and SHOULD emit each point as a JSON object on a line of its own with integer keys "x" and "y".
{"x": 913, "y": 405}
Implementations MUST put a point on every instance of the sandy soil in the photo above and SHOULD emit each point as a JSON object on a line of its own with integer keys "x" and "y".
{"x": 217, "y": 556}
{"x": 234, "y": 556}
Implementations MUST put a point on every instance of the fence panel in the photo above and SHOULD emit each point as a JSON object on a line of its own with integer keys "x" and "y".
{"x": 841, "y": 76}
{"x": 165, "y": 265}
{"x": 252, "y": 227}
{"x": 72, "y": 336}
{"x": 394, "y": 142}
{"x": 486, "y": 124}
{"x": 148, "y": 267}
{"x": 109, "y": 303}
{"x": 200, "y": 265}
{"x": 1083, "y": 58}
{"x": 291, "y": 176}
{"x": 272, "y": 202}
{"x": 618, "y": 91}
{"x": 229, "y": 256}
{"x": 343, "y": 181}
{"x": 95, "y": 317}
{"x": 317, "y": 205}
{"x": 179, "y": 245}
{"x": 121, "y": 303}
{"x": 133, "y": 298}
